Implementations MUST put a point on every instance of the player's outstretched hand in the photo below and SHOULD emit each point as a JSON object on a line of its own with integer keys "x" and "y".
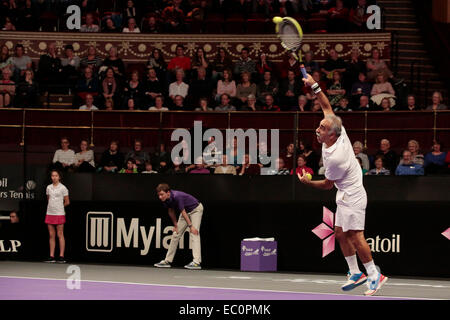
{"x": 309, "y": 81}
{"x": 303, "y": 178}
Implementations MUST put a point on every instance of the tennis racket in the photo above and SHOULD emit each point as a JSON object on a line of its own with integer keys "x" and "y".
{"x": 290, "y": 34}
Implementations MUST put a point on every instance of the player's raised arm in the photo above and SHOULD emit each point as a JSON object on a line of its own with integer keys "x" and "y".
{"x": 323, "y": 100}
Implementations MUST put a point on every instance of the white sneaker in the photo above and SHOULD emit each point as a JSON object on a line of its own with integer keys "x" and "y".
{"x": 375, "y": 285}
{"x": 162, "y": 264}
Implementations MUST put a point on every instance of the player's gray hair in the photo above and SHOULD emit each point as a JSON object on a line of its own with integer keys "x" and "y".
{"x": 336, "y": 124}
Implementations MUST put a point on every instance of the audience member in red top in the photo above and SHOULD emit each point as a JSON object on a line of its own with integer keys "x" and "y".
{"x": 174, "y": 17}
{"x": 301, "y": 165}
{"x": 180, "y": 61}
{"x": 338, "y": 17}
{"x": 288, "y": 156}
{"x": 263, "y": 65}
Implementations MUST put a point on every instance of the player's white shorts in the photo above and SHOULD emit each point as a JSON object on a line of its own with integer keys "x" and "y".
{"x": 351, "y": 215}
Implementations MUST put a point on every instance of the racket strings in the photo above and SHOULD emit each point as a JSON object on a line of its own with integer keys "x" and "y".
{"x": 289, "y": 36}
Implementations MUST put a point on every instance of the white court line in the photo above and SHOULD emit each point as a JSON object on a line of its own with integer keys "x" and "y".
{"x": 222, "y": 288}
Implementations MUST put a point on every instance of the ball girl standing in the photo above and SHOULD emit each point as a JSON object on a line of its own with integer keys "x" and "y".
{"x": 58, "y": 198}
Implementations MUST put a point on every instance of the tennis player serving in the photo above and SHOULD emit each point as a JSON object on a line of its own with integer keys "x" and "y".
{"x": 343, "y": 171}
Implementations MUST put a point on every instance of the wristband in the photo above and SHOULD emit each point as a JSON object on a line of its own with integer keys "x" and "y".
{"x": 317, "y": 90}
{"x": 315, "y": 86}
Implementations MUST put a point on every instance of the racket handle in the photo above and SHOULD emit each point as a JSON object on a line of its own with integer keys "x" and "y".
{"x": 303, "y": 70}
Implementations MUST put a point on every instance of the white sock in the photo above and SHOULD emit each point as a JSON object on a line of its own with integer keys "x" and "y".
{"x": 352, "y": 262}
{"x": 371, "y": 269}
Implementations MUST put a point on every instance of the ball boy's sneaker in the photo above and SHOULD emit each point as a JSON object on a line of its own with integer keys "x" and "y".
{"x": 162, "y": 264}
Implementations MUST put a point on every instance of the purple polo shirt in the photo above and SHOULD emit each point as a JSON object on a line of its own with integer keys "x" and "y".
{"x": 180, "y": 200}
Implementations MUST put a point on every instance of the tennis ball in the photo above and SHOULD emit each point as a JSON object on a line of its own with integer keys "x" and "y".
{"x": 277, "y": 20}
{"x": 309, "y": 176}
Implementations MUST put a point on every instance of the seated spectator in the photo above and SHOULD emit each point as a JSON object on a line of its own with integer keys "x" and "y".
{"x": 180, "y": 61}
{"x": 109, "y": 26}
{"x": 157, "y": 62}
{"x": 204, "y": 105}
{"x": 263, "y": 66}
{"x": 84, "y": 160}
{"x": 379, "y": 169}
{"x": 385, "y": 105}
{"x": 336, "y": 89}
{"x": 70, "y": 66}
{"x": 152, "y": 87}
{"x": 200, "y": 167}
{"x": 110, "y": 87}
{"x": 227, "y": 85}
{"x": 27, "y": 92}
{"x": 265, "y": 87}
{"x": 89, "y": 105}
{"x": 269, "y": 104}
{"x": 288, "y": 156}
{"x": 161, "y": 159}
{"x": 131, "y": 27}
{"x": 290, "y": 63}
{"x": 342, "y": 105}
{"x": 309, "y": 63}
{"x": 334, "y": 63}
{"x": 245, "y": 64}
{"x": 49, "y": 69}
{"x": 356, "y": 66}
{"x": 91, "y": 60}
{"x": 21, "y": 63}
{"x": 138, "y": 154}
{"x": 179, "y": 87}
{"x": 130, "y": 167}
{"x": 131, "y": 12}
{"x": 390, "y": 158}
{"x": 64, "y": 158}
{"x": 109, "y": 105}
{"x": 311, "y": 157}
{"x": 251, "y": 104}
{"x": 115, "y": 62}
{"x": 224, "y": 167}
{"x": 112, "y": 159}
{"x": 225, "y": 104}
{"x": 234, "y": 155}
{"x": 364, "y": 171}
{"x": 301, "y": 165}
{"x": 382, "y": 89}
{"x": 130, "y": 105}
{"x": 159, "y": 104}
{"x": 357, "y": 149}
{"x": 375, "y": 65}
{"x": 90, "y": 26}
{"x": 200, "y": 87}
{"x": 8, "y": 25}
{"x": 437, "y": 99}
{"x": 178, "y": 167}
{"x": 200, "y": 9}
{"x": 435, "y": 160}
{"x": 290, "y": 89}
{"x": 174, "y": 18}
{"x": 358, "y": 17}
{"x": 179, "y": 104}
{"x": 407, "y": 167}
{"x": 244, "y": 89}
{"x": 338, "y": 17}
{"x": 249, "y": 169}
{"x": 364, "y": 104}
{"x": 411, "y": 104}
{"x": 149, "y": 168}
{"x": 316, "y": 107}
{"x": 7, "y": 89}
{"x": 360, "y": 88}
{"x": 199, "y": 61}
{"x": 152, "y": 25}
{"x": 220, "y": 64}
{"x": 88, "y": 84}
{"x": 6, "y": 61}
{"x": 302, "y": 104}
{"x": 281, "y": 169}
{"x": 134, "y": 89}
{"x": 416, "y": 156}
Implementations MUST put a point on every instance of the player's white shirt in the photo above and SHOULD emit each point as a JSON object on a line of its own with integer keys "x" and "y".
{"x": 342, "y": 167}
{"x": 56, "y": 195}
